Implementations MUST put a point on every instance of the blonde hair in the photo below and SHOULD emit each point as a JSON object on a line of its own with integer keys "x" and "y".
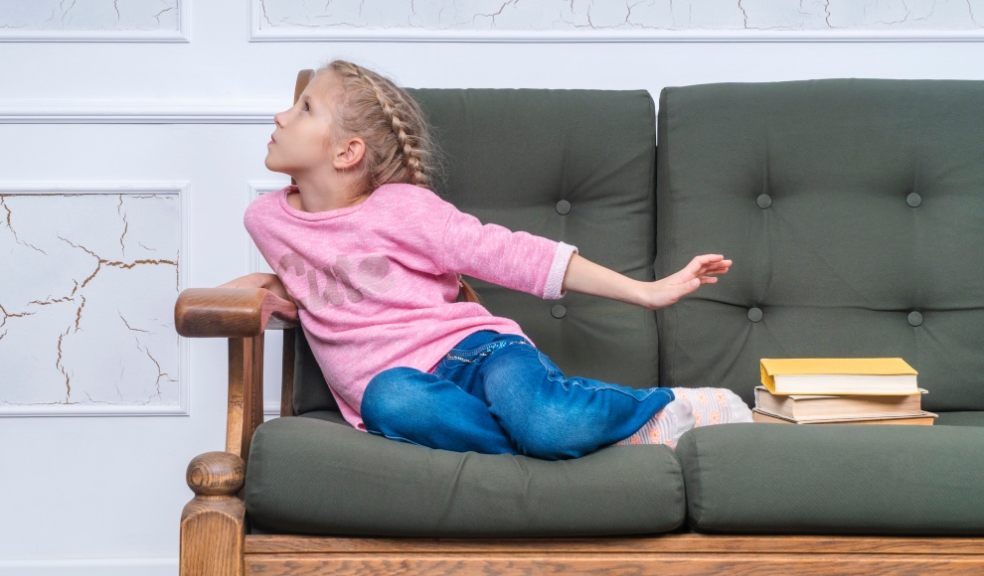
{"x": 398, "y": 143}
{"x": 399, "y": 146}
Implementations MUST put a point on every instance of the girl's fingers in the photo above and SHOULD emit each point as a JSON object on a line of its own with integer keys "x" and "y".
{"x": 713, "y": 270}
{"x": 704, "y": 266}
{"x": 709, "y": 260}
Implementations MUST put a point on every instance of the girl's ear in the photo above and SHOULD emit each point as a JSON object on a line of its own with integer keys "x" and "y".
{"x": 349, "y": 154}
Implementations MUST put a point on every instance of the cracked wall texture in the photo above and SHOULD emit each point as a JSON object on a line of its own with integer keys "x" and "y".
{"x": 89, "y": 14}
{"x": 87, "y": 290}
{"x": 573, "y": 15}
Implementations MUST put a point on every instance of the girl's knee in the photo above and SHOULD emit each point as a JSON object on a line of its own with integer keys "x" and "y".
{"x": 553, "y": 433}
{"x": 388, "y": 395}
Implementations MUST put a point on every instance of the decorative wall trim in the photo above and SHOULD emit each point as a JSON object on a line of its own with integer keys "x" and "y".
{"x": 92, "y": 37}
{"x": 598, "y": 36}
{"x": 181, "y": 35}
{"x": 181, "y": 189}
{"x": 138, "y": 112}
{"x": 614, "y": 36}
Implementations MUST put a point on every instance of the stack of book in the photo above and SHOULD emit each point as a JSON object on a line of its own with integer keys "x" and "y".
{"x": 839, "y": 391}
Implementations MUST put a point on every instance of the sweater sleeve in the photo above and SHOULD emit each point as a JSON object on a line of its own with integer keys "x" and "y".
{"x": 256, "y": 221}
{"x": 493, "y": 253}
{"x": 252, "y": 223}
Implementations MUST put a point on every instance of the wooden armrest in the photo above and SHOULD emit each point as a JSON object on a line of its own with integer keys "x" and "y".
{"x": 242, "y": 315}
{"x": 231, "y": 312}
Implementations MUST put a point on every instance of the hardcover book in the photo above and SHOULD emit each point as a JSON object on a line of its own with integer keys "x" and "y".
{"x": 837, "y": 406}
{"x": 825, "y": 376}
{"x": 922, "y": 418}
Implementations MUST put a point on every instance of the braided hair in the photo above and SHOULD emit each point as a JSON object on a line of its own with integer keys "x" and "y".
{"x": 398, "y": 143}
{"x": 399, "y": 147}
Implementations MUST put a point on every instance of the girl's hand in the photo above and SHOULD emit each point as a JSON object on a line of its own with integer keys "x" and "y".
{"x": 260, "y": 280}
{"x": 255, "y": 280}
{"x": 703, "y": 269}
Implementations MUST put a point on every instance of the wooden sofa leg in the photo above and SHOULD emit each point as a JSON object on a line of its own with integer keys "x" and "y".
{"x": 213, "y": 522}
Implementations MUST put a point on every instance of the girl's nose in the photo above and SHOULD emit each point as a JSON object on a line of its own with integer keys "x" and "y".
{"x": 278, "y": 119}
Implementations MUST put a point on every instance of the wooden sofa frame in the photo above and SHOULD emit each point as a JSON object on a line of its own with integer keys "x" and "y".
{"x": 214, "y": 542}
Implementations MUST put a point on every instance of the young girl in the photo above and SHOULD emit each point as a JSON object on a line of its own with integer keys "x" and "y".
{"x": 372, "y": 257}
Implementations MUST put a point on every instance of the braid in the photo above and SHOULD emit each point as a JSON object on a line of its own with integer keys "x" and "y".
{"x": 411, "y": 157}
{"x": 409, "y": 151}
{"x": 399, "y": 147}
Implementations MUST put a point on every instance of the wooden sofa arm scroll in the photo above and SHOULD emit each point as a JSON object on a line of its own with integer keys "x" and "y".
{"x": 231, "y": 312}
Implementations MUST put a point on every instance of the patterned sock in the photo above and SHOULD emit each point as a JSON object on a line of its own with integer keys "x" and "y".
{"x": 714, "y": 406}
{"x": 665, "y": 427}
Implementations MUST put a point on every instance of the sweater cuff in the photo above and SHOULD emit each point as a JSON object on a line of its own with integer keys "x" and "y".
{"x": 558, "y": 269}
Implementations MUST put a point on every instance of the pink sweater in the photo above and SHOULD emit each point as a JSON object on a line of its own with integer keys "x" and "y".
{"x": 376, "y": 283}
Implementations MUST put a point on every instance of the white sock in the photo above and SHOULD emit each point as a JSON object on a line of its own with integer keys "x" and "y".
{"x": 714, "y": 405}
{"x": 665, "y": 427}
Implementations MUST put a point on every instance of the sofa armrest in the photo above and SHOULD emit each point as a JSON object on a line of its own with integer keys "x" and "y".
{"x": 231, "y": 312}
{"x": 213, "y": 523}
{"x": 242, "y": 315}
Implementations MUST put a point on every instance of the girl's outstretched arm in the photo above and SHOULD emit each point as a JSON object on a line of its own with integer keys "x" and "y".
{"x": 588, "y": 277}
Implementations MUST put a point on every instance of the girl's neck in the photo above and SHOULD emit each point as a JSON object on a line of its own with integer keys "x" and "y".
{"x": 320, "y": 198}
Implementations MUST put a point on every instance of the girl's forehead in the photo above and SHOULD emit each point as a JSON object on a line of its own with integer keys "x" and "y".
{"x": 323, "y": 86}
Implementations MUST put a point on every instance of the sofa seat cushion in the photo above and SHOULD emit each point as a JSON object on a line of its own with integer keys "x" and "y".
{"x": 317, "y": 476}
{"x": 837, "y": 479}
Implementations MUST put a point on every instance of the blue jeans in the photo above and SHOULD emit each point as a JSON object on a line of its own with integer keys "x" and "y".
{"x": 498, "y": 394}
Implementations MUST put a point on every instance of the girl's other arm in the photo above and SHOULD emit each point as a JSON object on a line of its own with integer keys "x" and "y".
{"x": 587, "y": 277}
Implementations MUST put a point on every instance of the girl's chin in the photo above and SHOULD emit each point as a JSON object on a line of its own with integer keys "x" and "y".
{"x": 273, "y": 166}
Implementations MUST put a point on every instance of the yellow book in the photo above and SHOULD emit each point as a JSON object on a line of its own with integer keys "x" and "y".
{"x": 862, "y": 376}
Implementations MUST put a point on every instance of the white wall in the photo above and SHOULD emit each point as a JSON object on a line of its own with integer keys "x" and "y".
{"x": 132, "y": 136}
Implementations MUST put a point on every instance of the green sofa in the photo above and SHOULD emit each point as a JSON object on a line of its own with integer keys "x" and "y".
{"x": 852, "y": 209}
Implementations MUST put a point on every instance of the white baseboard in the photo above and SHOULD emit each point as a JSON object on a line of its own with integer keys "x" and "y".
{"x": 91, "y": 567}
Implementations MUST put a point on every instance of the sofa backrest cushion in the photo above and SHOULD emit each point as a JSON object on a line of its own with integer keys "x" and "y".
{"x": 854, "y": 212}
{"x": 570, "y": 165}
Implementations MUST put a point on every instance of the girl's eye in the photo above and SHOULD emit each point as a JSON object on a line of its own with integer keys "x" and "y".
{"x": 306, "y": 106}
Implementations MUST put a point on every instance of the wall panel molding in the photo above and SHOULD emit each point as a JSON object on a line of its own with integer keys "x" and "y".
{"x": 601, "y": 37}
{"x": 782, "y": 22}
{"x": 100, "y": 407}
{"x": 138, "y": 112}
{"x": 181, "y": 33}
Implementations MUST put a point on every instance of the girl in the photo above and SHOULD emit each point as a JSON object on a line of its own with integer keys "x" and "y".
{"x": 372, "y": 258}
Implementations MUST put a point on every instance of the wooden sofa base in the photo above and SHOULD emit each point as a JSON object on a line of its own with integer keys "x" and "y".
{"x": 664, "y": 555}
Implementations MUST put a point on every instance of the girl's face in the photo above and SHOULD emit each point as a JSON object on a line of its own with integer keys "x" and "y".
{"x": 300, "y": 142}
